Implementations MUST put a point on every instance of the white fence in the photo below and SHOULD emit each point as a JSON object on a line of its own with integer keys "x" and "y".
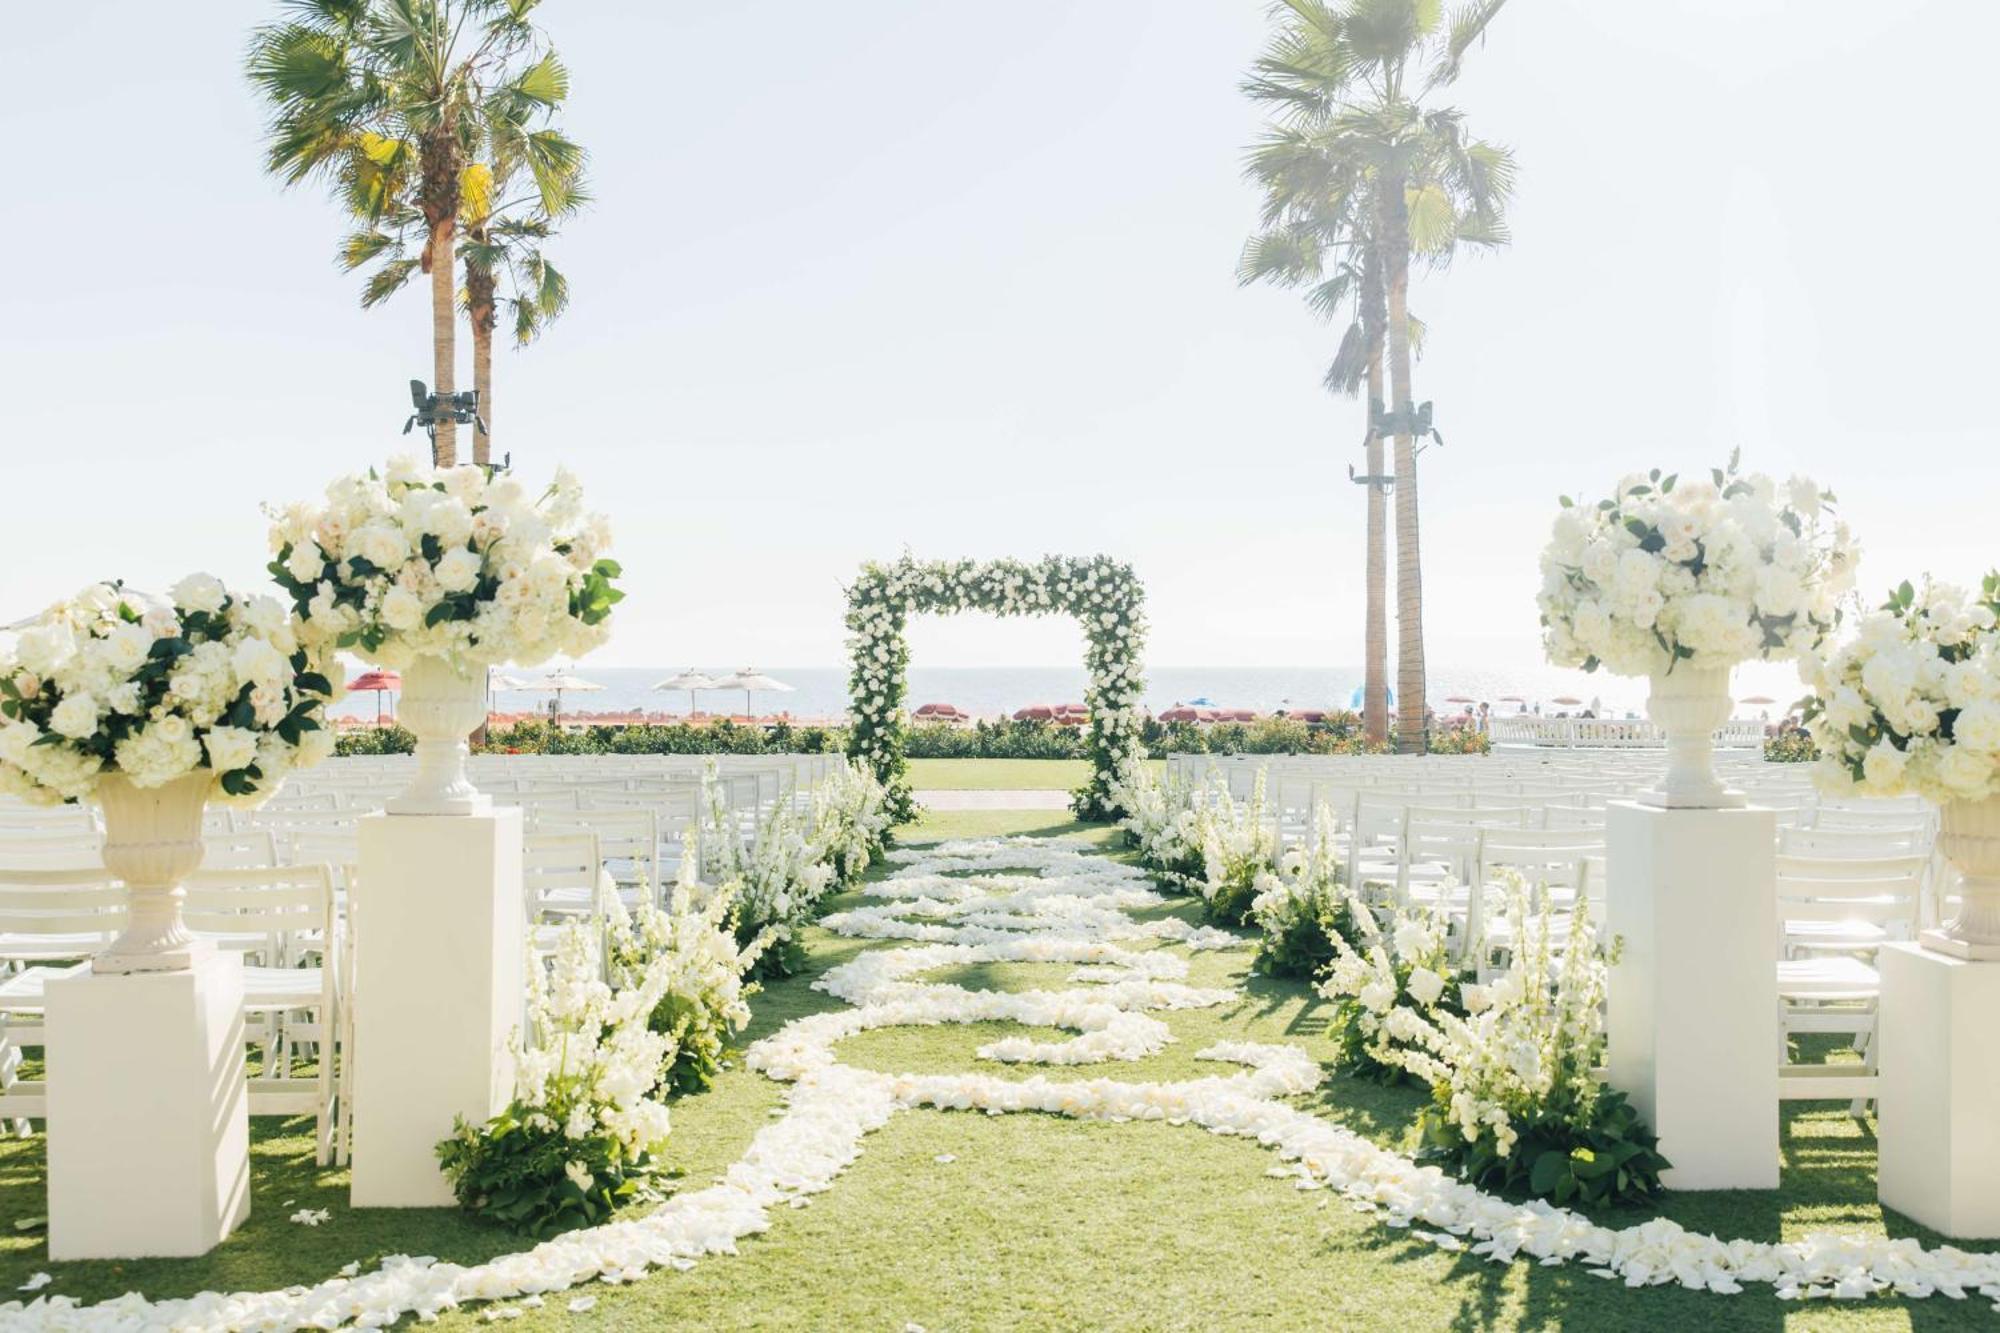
{"x": 1607, "y": 733}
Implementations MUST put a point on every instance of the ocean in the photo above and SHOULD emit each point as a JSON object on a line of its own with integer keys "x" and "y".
{"x": 820, "y": 693}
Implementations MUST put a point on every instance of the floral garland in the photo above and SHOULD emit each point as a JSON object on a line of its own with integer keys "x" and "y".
{"x": 832, "y": 1107}
{"x": 1104, "y": 596}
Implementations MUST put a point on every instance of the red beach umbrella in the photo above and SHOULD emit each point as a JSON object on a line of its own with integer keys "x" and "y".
{"x": 1034, "y": 713}
{"x": 378, "y": 682}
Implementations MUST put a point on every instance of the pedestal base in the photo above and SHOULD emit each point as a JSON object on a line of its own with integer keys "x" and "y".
{"x": 1938, "y": 1132}
{"x": 1655, "y": 798}
{"x": 1692, "y": 1008}
{"x": 1951, "y": 947}
{"x": 179, "y": 959}
{"x": 439, "y": 935}
{"x": 149, "y": 1119}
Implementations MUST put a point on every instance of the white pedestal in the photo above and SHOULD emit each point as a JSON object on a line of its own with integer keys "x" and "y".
{"x": 149, "y": 1118}
{"x": 439, "y": 930}
{"x": 1693, "y": 1002}
{"x": 1938, "y": 1128}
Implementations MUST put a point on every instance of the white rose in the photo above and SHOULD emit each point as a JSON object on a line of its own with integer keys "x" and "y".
{"x": 458, "y": 571}
{"x": 1966, "y": 772}
{"x": 256, "y": 662}
{"x": 381, "y": 544}
{"x": 305, "y": 562}
{"x": 200, "y": 592}
{"x": 75, "y": 717}
{"x": 401, "y": 610}
{"x": 230, "y": 748}
{"x": 1882, "y": 767}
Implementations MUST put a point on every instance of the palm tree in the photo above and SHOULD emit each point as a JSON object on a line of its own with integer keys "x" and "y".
{"x": 504, "y": 236}
{"x": 1363, "y": 166}
{"x": 388, "y": 101}
{"x": 1319, "y": 235}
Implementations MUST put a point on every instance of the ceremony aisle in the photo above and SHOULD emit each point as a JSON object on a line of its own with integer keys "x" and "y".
{"x": 958, "y": 1219}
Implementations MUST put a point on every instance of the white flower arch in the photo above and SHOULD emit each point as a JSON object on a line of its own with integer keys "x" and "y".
{"x": 1103, "y": 594}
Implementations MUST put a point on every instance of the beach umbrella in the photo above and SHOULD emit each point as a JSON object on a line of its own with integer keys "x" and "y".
{"x": 941, "y": 712}
{"x": 1459, "y": 699}
{"x": 378, "y": 682}
{"x": 1759, "y": 699}
{"x": 1034, "y": 713}
{"x": 690, "y": 681}
{"x": 1359, "y": 696}
{"x": 561, "y": 682}
{"x": 747, "y": 680}
{"x": 1566, "y": 701}
{"x": 505, "y": 684}
{"x": 1181, "y": 713}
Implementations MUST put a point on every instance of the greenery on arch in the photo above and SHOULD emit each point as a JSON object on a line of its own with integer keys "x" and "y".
{"x": 1103, "y": 594}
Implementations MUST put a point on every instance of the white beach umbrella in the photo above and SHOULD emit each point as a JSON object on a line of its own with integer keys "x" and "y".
{"x": 560, "y": 681}
{"x": 747, "y": 680}
{"x": 690, "y": 681}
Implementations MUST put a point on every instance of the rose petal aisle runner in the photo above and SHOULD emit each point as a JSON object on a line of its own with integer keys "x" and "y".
{"x": 1041, "y": 900}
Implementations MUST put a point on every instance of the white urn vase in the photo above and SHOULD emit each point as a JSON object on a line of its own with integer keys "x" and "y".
{"x": 1689, "y": 705}
{"x": 442, "y": 704}
{"x": 152, "y": 842}
{"x": 1969, "y": 837}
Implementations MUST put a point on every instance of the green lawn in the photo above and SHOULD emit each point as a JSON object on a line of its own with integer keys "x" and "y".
{"x": 1041, "y": 1222}
{"x": 998, "y": 774}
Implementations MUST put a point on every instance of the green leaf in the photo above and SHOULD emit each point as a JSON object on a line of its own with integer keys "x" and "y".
{"x": 1549, "y": 1168}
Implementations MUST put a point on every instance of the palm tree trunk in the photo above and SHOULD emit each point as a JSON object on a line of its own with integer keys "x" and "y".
{"x": 482, "y": 365}
{"x": 1411, "y": 736}
{"x": 444, "y": 340}
{"x": 1375, "y": 669}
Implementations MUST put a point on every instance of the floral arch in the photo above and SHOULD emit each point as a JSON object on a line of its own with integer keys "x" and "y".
{"x": 1104, "y": 596}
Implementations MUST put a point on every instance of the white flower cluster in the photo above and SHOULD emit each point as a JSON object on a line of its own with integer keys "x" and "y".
{"x": 690, "y": 948}
{"x": 1165, "y": 820}
{"x": 459, "y": 563}
{"x": 1528, "y": 1043}
{"x": 116, "y": 681}
{"x": 778, "y": 873}
{"x": 1708, "y": 572}
{"x": 850, "y": 819}
{"x": 1912, "y": 703}
{"x": 1304, "y": 893}
{"x": 1103, "y": 595}
{"x": 1239, "y": 848}
{"x": 590, "y": 1063}
{"x": 831, "y": 1108}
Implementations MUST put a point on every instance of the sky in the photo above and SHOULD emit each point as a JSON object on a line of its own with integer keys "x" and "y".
{"x": 959, "y": 279}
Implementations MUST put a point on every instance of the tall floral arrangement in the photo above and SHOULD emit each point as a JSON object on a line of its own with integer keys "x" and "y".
{"x": 118, "y": 681}
{"x": 1163, "y": 821}
{"x": 1516, "y": 1102}
{"x": 777, "y": 879}
{"x": 1302, "y": 905}
{"x": 1707, "y": 572}
{"x": 1102, "y": 594}
{"x": 1912, "y": 702}
{"x": 582, "y": 1134}
{"x": 459, "y": 563}
{"x": 849, "y": 824}
{"x": 1239, "y": 848}
{"x": 705, "y": 999}
{"x": 1389, "y": 985}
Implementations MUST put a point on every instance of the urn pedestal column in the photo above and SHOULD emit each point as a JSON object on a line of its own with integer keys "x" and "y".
{"x": 1692, "y": 1008}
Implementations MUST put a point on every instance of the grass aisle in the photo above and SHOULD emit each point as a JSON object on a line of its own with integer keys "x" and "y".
{"x": 1042, "y": 1222}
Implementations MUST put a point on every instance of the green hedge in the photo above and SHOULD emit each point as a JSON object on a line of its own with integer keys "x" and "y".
{"x": 1339, "y": 734}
